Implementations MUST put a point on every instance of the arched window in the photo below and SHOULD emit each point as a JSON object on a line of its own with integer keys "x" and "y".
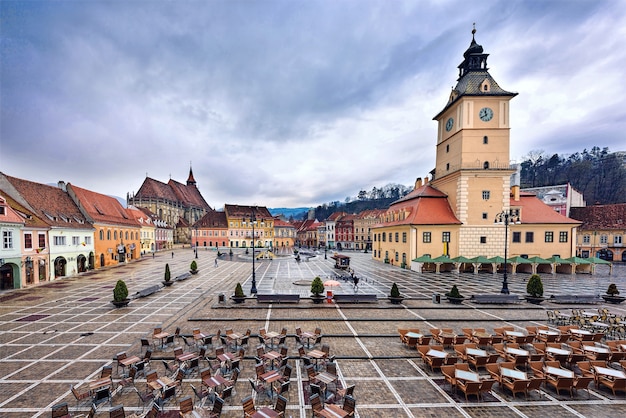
{"x": 115, "y": 235}
{"x": 485, "y": 139}
{"x": 101, "y": 235}
{"x": 109, "y": 235}
{"x": 486, "y": 165}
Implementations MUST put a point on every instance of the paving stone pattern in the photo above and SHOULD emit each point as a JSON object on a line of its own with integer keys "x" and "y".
{"x": 63, "y": 333}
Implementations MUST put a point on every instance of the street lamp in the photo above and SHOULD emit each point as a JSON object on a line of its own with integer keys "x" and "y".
{"x": 505, "y": 217}
{"x": 196, "y": 240}
{"x": 253, "y": 221}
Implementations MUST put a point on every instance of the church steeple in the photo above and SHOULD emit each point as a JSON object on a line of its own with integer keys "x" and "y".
{"x": 190, "y": 180}
{"x": 475, "y": 59}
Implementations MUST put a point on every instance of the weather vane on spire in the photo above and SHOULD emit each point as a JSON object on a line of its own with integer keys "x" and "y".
{"x": 473, "y": 29}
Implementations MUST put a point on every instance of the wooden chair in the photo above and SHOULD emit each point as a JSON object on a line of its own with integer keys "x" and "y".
{"x": 617, "y": 384}
{"x": 248, "y": 406}
{"x": 561, "y": 383}
{"x": 494, "y": 371}
{"x": 316, "y": 405}
{"x": 486, "y": 385}
{"x": 469, "y": 388}
{"x": 216, "y": 412}
{"x": 201, "y": 394}
{"x": 460, "y": 339}
{"x": 347, "y": 391}
{"x": 349, "y": 405}
{"x": 117, "y": 412}
{"x": 448, "y": 374}
{"x": 61, "y": 411}
{"x": 533, "y": 384}
{"x": 281, "y": 405}
{"x": 81, "y": 397}
{"x": 582, "y": 382}
{"x": 435, "y": 362}
{"x": 516, "y": 386}
{"x": 186, "y": 406}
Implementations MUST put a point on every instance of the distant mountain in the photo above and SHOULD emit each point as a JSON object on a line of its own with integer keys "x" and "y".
{"x": 297, "y": 213}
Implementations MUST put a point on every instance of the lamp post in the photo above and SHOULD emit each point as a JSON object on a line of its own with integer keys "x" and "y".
{"x": 253, "y": 221}
{"x": 196, "y": 240}
{"x": 505, "y": 217}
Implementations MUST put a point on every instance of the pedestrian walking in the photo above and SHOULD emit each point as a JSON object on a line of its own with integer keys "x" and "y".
{"x": 172, "y": 254}
{"x": 216, "y": 262}
{"x": 152, "y": 254}
{"x": 356, "y": 284}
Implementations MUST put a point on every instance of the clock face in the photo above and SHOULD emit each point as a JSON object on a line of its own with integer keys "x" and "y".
{"x": 485, "y": 114}
{"x": 449, "y": 124}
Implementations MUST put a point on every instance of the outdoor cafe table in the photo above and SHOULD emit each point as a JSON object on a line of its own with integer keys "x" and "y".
{"x": 558, "y": 372}
{"x": 436, "y": 353}
{"x": 234, "y": 337}
{"x": 99, "y": 383}
{"x": 514, "y": 333}
{"x": 612, "y": 373}
{"x": 129, "y": 361}
{"x": 160, "y": 383}
{"x": 547, "y": 332}
{"x": 325, "y": 378}
{"x": 476, "y": 352}
{"x": 265, "y": 412}
{"x": 578, "y": 331}
{"x": 515, "y": 352}
{"x": 307, "y": 335}
{"x": 272, "y": 335}
{"x": 272, "y": 356}
{"x": 559, "y": 354}
{"x": 214, "y": 381}
{"x": 270, "y": 377}
{"x": 333, "y": 411}
{"x": 411, "y": 334}
{"x": 316, "y": 355}
{"x": 513, "y": 374}
{"x": 161, "y": 336}
{"x": 466, "y": 375}
{"x": 186, "y": 356}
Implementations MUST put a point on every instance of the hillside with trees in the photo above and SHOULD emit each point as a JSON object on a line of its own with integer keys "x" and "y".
{"x": 377, "y": 198}
{"x": 598, "y": 174}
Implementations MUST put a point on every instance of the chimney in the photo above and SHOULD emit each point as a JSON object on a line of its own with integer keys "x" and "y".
{"x": 515, "y": 193}
{"x": 418, "y": 183}
{"x": 61, "y": 185}
{"x": 425, "y": 180}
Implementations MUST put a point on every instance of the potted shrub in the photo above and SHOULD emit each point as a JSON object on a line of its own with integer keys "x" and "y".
{"x": 394, "y": 295}
{"x": 534, "y": 288}
{"x": 193, "y": 269}
{"x": 239, "y": 296}
{"x": 167, "y": 279}
{"x": 612, "y": 295}
{"x": 317, "y": 290}
{"x": 454, "y": 296}
{"x": 120, "y": 294}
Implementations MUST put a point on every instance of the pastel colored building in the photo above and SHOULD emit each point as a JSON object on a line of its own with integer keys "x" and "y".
{"x": 240, "y": 226}
{"x": 458, "y": 212}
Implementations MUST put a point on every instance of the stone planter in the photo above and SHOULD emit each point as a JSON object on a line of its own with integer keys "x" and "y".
{"x": 238, "y": 299}
{"x": 317, "y": 299}
{"x": 455, "y": 301}
{"x": 395, "y": 301}
{"x": 615, "y": 299}
{"x": 169, "y": 283}
{"x": 194, "y": 271}
{"x": 535, "y": 300}
{"x": 120, "y": 303}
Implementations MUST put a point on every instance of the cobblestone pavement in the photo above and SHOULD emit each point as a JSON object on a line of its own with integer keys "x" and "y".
{"x": 62, "y": 333}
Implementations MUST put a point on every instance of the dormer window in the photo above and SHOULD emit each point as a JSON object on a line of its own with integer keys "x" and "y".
{"x": 485, "y": 86}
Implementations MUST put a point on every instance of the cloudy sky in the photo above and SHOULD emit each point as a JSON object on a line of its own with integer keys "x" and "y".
{"x": 287, "y": 103}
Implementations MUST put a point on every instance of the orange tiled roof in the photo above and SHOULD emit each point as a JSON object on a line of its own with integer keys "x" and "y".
{"x": 30, "y": 219}
{"x": 282, "y": 224}
{"x": 601, "y": 216}
{"x": 102, "y": 208}
{"x": 335, "y": 215}
{"x": 50, "y": 203}
{"x": 423, "y": 206}
{"x": 173, "y": 191}
{"x": 10, "y": 215}
{"x": 534, "y": 211}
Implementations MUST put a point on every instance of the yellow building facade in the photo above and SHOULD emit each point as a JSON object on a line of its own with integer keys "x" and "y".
{"x": 457, "y": 213}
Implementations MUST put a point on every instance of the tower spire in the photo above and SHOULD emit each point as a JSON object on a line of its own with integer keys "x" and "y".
{"x": 190, "y": 180}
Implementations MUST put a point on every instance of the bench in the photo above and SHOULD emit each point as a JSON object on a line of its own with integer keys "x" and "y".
{"x": 496, "y": 299}
{"x": 355, "y": 298}
{"x": 182, "y": 277}
{"x": 575, "y": 299}
{"x": 277, "y": 298}
{"x": 147, "y": 291}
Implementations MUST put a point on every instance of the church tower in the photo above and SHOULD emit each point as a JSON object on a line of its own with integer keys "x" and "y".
{"x": 472, "y": 161}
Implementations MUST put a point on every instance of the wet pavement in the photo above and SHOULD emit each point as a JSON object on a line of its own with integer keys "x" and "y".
{"x": 62, "y": 333}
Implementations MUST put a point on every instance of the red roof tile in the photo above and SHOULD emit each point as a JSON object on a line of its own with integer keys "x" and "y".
{"x": 102, "y": 208}
{"x": 51, "y": 204}
{"x": 534, "y": 211}
{"x": 213, "y": 219}
{"x": 237, "y": 211}
{"x": 423, "y": 206}
{"x": 601, "y": 216}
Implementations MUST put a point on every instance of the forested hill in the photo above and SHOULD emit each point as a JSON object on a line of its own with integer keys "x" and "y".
{"x": 598, "y": 174}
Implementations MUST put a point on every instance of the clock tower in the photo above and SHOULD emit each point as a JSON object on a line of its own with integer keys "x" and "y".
{"x": 472, "y": 162}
